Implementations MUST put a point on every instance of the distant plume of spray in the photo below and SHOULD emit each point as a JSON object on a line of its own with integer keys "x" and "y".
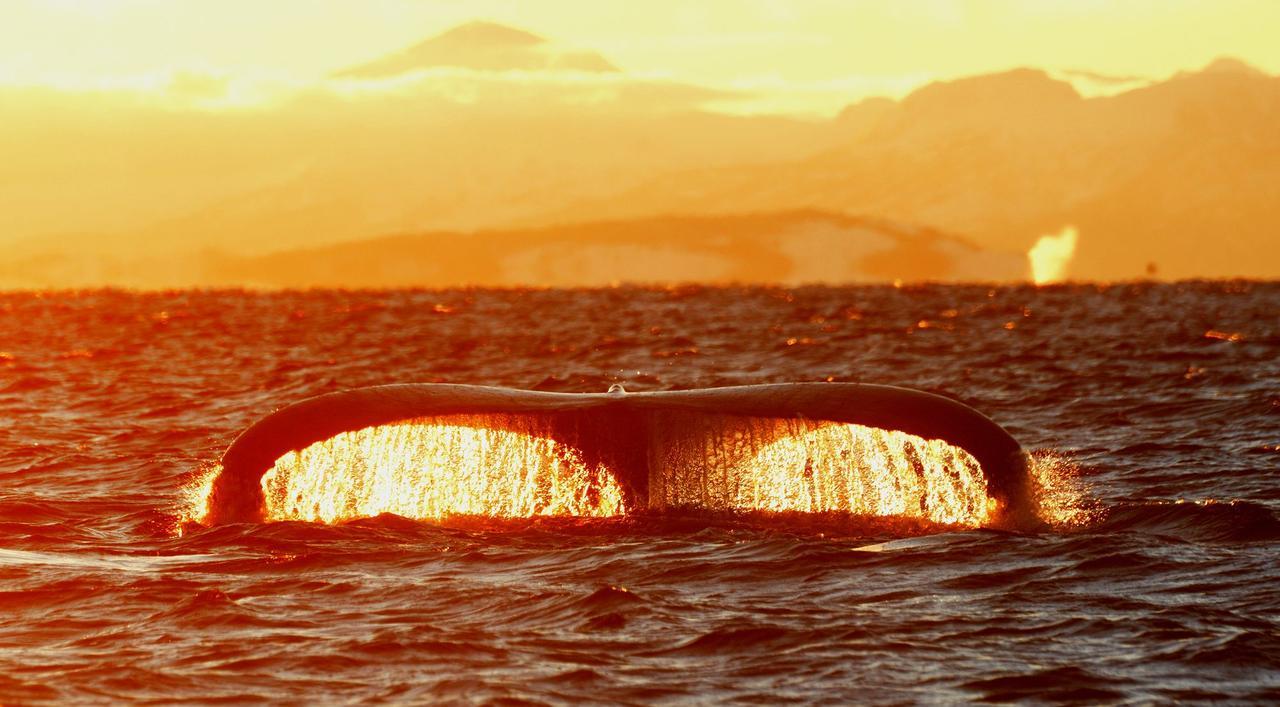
{"x": 1051, "y": 256}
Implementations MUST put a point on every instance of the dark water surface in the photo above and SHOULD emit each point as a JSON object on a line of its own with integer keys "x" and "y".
{"x": 1163, "y": 585}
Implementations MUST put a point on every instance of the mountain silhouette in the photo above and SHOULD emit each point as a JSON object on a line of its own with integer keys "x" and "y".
{"x": 1181, "y": 176}
{"x": 1183, "y": 173}
{"x": 1231, "y": 65}
{"x": 484, "y": 46}
{"x": 792, "y": 247}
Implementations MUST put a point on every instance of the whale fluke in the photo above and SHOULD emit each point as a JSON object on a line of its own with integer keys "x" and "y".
{"x": 782, "y": 446}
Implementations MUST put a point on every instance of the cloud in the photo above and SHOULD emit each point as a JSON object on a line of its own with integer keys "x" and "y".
{"x": 197, "y": 86}
{"x": 1092, "y": 83}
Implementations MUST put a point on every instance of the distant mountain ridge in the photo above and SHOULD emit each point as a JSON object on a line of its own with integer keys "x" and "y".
{"x": 790, "y": 247}
{"x": 1180, "y": 177}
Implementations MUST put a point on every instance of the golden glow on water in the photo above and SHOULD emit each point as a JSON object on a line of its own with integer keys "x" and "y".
{"x": 801, "y": 465}
{"x": 434, "y": 468}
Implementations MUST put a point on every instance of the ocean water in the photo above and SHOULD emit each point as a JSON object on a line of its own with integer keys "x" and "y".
{"x": 1153, "y": 411}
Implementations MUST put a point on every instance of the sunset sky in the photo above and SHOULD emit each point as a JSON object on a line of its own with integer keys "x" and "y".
{"x": 812, "y": 55}
{"x": 142, "y": 135}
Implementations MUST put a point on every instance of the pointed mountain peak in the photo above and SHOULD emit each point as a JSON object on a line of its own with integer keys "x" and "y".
{"x": 487, "y": 34}
{"x": 1231, "y": 65}
{"x": 484, "y": 46}
{"x": 1013, "y": 90}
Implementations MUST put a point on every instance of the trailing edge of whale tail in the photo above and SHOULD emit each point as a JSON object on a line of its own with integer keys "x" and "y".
{"x": 661, "y": 449}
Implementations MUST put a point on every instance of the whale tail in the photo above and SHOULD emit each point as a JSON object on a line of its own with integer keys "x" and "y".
{"x": 429, "y": 451}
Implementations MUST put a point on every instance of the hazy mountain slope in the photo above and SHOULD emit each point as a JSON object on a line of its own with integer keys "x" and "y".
{"x": 471, "y": 170}
{"x": 354, "y": 158}
{"x": 1183, "y": 173}
{"x": 788, "y": 247}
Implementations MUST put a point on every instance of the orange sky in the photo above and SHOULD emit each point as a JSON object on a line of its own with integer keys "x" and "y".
{"x": 804, "y": 55}
{"x": 142, "y": 135}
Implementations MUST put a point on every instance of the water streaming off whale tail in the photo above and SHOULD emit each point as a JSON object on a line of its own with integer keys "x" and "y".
{"x": 523, "y": 465}
{"x": 724, "y": 462}
{"x": 501, "y": 466}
